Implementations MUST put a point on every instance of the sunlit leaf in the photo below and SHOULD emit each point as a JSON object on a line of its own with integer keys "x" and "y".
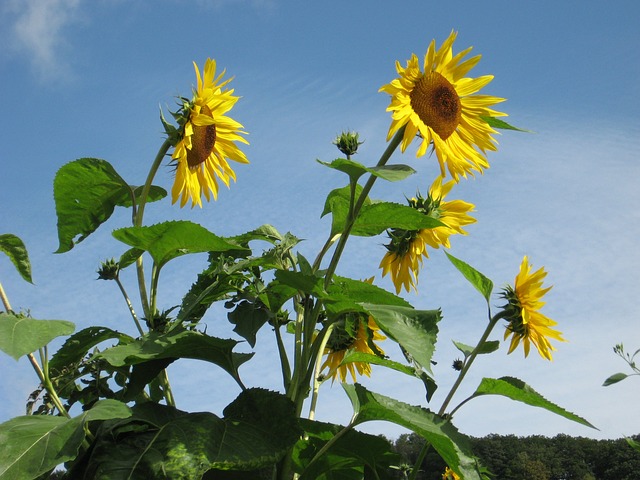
{"x": 355, "y": 170}
{"x": 22, "y": 335}
{"x": 85, "y": 192}
{"x": 517, "y": 390}
{"x": 378, "y": 217}
{"x": 450, "y": 444}
{"x": 501, "y": 124}
{"x": 35, "y": 444}
{"x": 487, "y": 347}
{"x": 168, "y": 240}
{"x": 179, "y": 344}
{"x": 415, "y": 330}
{"x": 477, "y": 279}
{"x": 17, "y": 253}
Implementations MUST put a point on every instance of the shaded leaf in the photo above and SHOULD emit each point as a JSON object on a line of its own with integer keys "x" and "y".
{"x": 450, "y": 444}
{"x": 477, "y": 279}
{"x": 615, "y": 378}
{"x": 17, "y": 253}
{"x": 168, "y": 240}
{"x": 179, "y": 344}
{"x": 355, "y": 356}
{"x": 85, "y": 192}
{"x": 517, "y": 390}
{"x": 415, "y": 330}
{"x": 161, "y": 442}
{"x": 35, "y": 444}
{"x": 22, "y": 335}
{"x": 248, "y": 318}
{"x": 347, "y": 458}
{"x": 487, "y": 347}
{"x": 155, "y": 193}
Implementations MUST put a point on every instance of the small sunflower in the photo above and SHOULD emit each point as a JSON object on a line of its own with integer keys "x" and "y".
{"x": 438, "y": 102}
{"x": 207, "y": 140}
{"x": 408, "y": 248}
{"x": 354, "y": 332}
{"x": 450, "y": 475}
{"x": 526, "y": 323}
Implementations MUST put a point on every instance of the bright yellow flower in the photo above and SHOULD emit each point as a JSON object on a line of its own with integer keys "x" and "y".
{"x": 407, "y": 249}
{"x": 363, "y": 332}
{"x": 207, "y": 140}
{"x": 450, "y": 475}
{"x": 526, "y": 323}
{"x": 437, "y": 103}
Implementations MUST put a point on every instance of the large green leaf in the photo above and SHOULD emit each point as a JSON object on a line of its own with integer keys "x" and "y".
{"x": 337, "y": 203}
{"x": 160, "y": 442}
{"x": 450, "y": 444}
{"x": 17, "y": 253}
{"x": 378, "y": 217}
{"x": 346, "y": 294}
{"x": 348, "y": 456}
{"x": 355, "y": 170}
{"x": 477, "y": 279}
{"x": 78, "y": 345}
{"x": 179, "y": 344}
{"x": 35, "y": 444}
{"x": 415, "y": 330}
{"x": 517, "y": 390}
{"x": 86, "y": 192}
{"x": 168, "y": 240}
{"x": 22, "y": 335}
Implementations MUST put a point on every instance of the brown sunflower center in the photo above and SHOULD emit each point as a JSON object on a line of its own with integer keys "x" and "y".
{"x": 436, "y": 102}
{"x": 202, "y": 142}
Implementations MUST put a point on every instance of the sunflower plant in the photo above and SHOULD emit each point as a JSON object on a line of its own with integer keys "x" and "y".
{"x": 104, "y": 405}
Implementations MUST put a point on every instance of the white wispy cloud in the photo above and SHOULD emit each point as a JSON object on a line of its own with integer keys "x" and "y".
{"x": 39, "y": 31}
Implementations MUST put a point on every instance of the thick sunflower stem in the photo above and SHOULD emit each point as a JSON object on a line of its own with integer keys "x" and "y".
{"x": 355, "y": 210}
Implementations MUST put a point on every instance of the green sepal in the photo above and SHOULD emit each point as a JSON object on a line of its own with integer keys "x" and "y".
{"x": 17, "y": 253}
{"x": 20, "y": 335}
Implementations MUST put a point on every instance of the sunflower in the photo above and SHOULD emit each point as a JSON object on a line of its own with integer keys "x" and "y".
{"x": 437, "y": 102}
{"x": 354, "y": 332}
{"x": 450, "y": 475}
{"x": 207, "y": 139}
{"x": 407, "y": 248}
{"x": 525, "y": 322}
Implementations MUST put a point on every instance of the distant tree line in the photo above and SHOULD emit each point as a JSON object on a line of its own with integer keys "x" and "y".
{"x": 509, "y": 457}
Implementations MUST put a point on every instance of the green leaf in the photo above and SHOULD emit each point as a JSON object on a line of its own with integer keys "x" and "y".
{"x": 355, "y": 356}
{"x": 487, "y": 347}
{"x": 378, "y": 217}
{"x": 248, "y": 318}
{"x": 347, "y": 458}
{"x": 415, "y": 330}
{"x": 355, "y": 170}
{"x": 155, "y": 193}
{"x": 501, "y": 124}
{"x": 168, "y": 240}
{"x": 179, "y": 344}
{"x": 78, "y": 345}
{"x": 160, "y": 442}
{"x": 347, "y": 295}
{"x": 17, "y": 253}
{"x": 129, "y": 257}
{"x": 517, "y": 390}
{"x": 477, "y": 279}
{"x": 450, "y": 444}
{"x": 337, "y": 203}
{"x": 85, "y": 192}
{"x": 35, "y": 444}
{"x": 615, "y": 378}
{"x": 22, "y": 335}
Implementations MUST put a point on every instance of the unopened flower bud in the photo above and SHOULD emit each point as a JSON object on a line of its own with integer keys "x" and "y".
{"x": 347, "y": 143}
{"x": 108, "y": 270}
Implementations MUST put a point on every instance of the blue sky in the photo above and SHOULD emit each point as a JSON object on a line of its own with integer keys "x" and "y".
{"x": 86, "y": 78}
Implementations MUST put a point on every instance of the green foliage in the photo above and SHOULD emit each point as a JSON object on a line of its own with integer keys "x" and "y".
{"x": 477, "y": 279}
{"x": 34, "y": 445}
{"x": 517, "y": 390}
{"x": 21, "y": 335}
{"x": 15, "y": 249}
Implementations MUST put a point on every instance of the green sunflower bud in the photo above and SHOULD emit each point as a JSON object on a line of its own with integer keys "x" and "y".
{"x": 347, "y": 143}
{"x": 108, "y": 270}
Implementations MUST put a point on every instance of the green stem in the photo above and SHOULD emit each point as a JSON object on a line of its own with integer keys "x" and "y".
{"x": 131, "y": 310}
{"x": 316, "y": 373}
{"x": 384, "y": 158}
{"x": 421, "y": 456}
{"x": 284, "y": 359}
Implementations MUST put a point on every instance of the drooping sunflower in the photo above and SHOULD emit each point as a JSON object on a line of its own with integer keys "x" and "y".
{"x": 525, "y": 322}
{"x": 207, "y": 139}
{"x": 354, "y": 332}
{"x": 438, "y": 102}
{"x": 408, "y": 248}
{"x": 450, "y": 474}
